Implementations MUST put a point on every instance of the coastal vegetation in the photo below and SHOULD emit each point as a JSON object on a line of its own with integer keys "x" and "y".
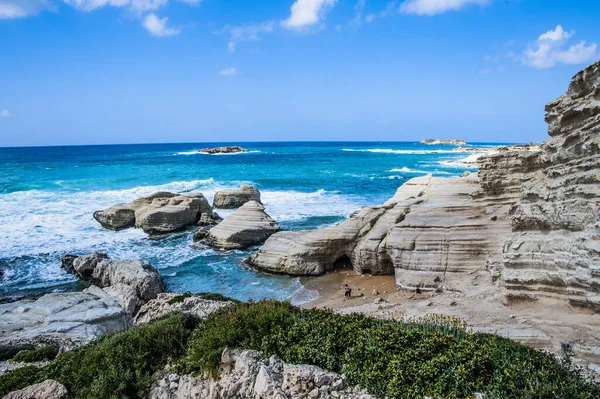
{"x": 436, "y": 356}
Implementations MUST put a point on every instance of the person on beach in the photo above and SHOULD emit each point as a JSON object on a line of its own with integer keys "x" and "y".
{"x": 347, "y": 291}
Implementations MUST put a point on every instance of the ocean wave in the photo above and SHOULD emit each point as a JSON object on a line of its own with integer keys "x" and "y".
{"x": 406, "y": 152}
{"x": 469, "y": 162}
{"x": 408, "y": 170}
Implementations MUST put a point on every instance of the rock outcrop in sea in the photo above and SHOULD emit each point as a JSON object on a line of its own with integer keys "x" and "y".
{"x": 530, "y": 217}
{"x": 233, "y": 149}
{"x": 159, "y": 213}
{"x": 247, "y": 226}
{"x": 231, "y": 199}
{"x": 443, "y": 141}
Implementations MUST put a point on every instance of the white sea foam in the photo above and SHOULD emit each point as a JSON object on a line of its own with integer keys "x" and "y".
{"x": 469, "y": 162}
{"x": 406, "y": 152}
{"x": 409, "y": 170}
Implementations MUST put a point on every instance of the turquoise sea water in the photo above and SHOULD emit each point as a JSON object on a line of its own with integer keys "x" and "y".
{"x": 48, "y": 195}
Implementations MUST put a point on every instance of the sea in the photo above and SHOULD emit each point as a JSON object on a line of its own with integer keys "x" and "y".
{"x": 48, "y": 196}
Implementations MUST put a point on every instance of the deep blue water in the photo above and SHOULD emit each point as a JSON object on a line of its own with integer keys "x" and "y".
{"x": 48, "y": 195}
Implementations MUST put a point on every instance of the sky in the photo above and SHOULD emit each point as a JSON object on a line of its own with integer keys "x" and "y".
{"x": 146, "y": 71}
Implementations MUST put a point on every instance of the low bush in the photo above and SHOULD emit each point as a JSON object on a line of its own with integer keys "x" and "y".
{"x": 436, "y": 356}
{"x": 117, "y": 366}
{"x": 212, "y": 296}
{"x": 46, "y": 352}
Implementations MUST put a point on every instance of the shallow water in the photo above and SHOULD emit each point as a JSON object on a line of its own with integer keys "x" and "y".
{"x": 48, "y": 195}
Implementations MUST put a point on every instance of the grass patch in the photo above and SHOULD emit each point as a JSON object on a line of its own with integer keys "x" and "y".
{"x": 46, "y": 352}
{"x": 434, "y": 357}
{"x": 117, "y": 366}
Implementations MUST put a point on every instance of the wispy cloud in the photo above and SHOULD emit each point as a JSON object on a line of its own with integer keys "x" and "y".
{"x": 433, "y": 7}
{"x": 552, "y": 48}
{"x": 305, "y": 13}
{"x": 10, "y": 9}
{"x": 5, "y": 114}
{"x": 158, "y": 26}
{"x": 228, "y": 72}
{"x": 246, "y": 33}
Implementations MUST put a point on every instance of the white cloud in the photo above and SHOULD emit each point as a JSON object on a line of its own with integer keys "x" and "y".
{"x": 552, "y": 48}
{"x": 10, "y": 9}
{"x": 228, "y": 72}
{"x": 158, "y": 26}
{"x": 5, "y": 114}
{"x": 246, "y": 33}
{"x": 432, "y": 7}
{"x": 307, "y": 12}
{"x": 91, "y": 5}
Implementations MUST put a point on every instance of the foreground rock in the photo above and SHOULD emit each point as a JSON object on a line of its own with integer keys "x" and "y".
{"x": 231, "y": 199}
{"x": 245, "y": 375}
{"x": 48, "y": 389}
{"x": 159, "y": 213}
{"x": 443, "y": 141}
{"x": 247, "y": 226}
{"x": 187, "y": 304}
{"x": 67, "y": 320}
{"x": 224, "y": 150}
{"x": 128, "y": 280}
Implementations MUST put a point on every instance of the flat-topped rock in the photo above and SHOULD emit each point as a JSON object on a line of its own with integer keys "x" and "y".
{"x": 443, "y": 141}
{"x": 67, "y": 320}
{"x": 167, "y": 303}
{"x": 247, "y": 226}
{"x": 224, "y": 150}
{"x": 231, "y": 199}
{"x": 159, "y": 213}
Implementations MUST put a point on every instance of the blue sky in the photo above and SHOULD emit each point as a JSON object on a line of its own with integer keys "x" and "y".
{"x": 134, "y": 71}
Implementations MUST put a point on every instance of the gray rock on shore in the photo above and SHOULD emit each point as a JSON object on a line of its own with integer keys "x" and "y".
{"x": 48, "y": 389}
{"x": 168, "y": 303}
{"x": 159, "y": 213}
{"x": 67, "y": 320}
{"x": 231, "y": 199}
{"x": 247, "y": 226}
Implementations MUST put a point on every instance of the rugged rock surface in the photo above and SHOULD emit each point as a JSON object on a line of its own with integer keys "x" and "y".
{"x": 231, "y": 199}
{"x": 168, "y": 303}
{"x": 244, "y": 375}
{"x": 48, "y": 389}
{"x": 224, "y": 150}
{"x": 555, "y": 248}
{"x": 247, "y": 226}
{"x": 159, "y": 213}
{"x": 140, "y": 276}
{"x": 66, "y": 319}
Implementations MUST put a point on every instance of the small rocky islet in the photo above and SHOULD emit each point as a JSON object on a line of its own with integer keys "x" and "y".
{"x": 523, "y": 230}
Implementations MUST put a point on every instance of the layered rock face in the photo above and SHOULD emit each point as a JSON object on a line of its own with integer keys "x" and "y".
{"x": 555, "y": 248}
{"x": 159, "y": 213}
{"x": 245, "y": 375}
{"x": 66, "y": 319}
{"x": 231, "y": 199}
{"x": 247, "y": 226}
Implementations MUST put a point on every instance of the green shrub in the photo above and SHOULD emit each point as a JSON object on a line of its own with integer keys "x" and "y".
{"x": 46, "y": 352}
{"x": 435, "y": 356}
{"x": 212, "y": 296}
{"x": 117, "y": 366}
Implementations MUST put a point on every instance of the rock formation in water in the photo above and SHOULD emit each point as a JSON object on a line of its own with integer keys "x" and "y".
{"x": 128, "y": 280}
{"x": 224, "y": 150}
{"x": 530, "y": 217}
{"x": 244, "y": 374}
{"x": 247, "y": 226}
{"x": 159, "y": 213}
{"x": 443, "y": 141}
{"x": 231, "y": 199}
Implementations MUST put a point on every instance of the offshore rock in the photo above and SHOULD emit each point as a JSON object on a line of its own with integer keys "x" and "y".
{"x": 187, "y": 304}
{"x": 159, "y": 213}
{"x": 231, "y": 199}
{"x": 224, "y": 150}
{"x": 247, "y": 226}
{"x": 141, "y": 276}
{"x": 244, "y": 374}
{"x": 443, "y": 141}
{"x": 48, "y": 389}
{"x": 67, "y": 320}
